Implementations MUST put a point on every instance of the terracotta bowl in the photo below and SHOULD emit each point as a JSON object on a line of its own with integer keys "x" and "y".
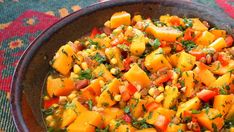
{"x": 29, "y": 76}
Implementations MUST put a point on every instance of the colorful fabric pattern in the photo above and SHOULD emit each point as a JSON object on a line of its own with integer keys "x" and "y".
{"x": 23, "y": 20}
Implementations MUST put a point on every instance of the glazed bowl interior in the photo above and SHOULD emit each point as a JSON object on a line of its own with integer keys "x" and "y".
{"x": 28, "y": 80}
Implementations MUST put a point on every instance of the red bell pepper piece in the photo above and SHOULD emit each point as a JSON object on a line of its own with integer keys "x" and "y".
{"x": 131, "y": 89}
{"x": 125, "y": 96}
{"x": 163, "y": 78}
{"x": 162, "y": 122}
{"x": 127, "y": 63}
{"x": 127, "y": 118}
{"x": 175, "y": 21}
{"x": 229, "y": 40}
{"x": 50, "y": 102}
{"x": 151, "y": 106}
{"x": 197, "y": 54}
{"x": 188, "y": 34}
{"x": 94, "y": 32}
{"x": 224, "y": 61}
{"x": 206, "y": 95}
{"x": 179, "y": 47}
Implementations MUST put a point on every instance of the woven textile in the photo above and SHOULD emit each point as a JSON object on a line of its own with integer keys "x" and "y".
{"x": 23, "y": 20}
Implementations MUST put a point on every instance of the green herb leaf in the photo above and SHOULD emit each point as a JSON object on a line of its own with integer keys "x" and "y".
{"x": 156, "y": 43}
{"x": 188, "y": 44}
{"x": 127, "y": 109}
{"x": 85, "y": 74}
{"x": 90, "y": 104}
{"x": 99, "y": 58}
{"x": 195, "y": 112}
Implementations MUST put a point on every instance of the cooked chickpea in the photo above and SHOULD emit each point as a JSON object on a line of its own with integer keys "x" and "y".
{"x": 113, "y": 61}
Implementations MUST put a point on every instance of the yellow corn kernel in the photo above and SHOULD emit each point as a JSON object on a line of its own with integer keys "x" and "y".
{"x": 84, "y": 65}
{"x": 151, "y": 91}
{"x": 117, "y": 97}
{"x": 102, "y": 83}
{"x": 113, "y": 61}
{"x": 114, "y": 71}
{"x": 137, "y": 95}
{"x": 161, "y": 88}
{"x": 76, "y": 69}
{"x": 159, "y": 98}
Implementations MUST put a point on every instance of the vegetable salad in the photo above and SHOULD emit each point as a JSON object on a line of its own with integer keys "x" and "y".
{"x": 140, "y": 74}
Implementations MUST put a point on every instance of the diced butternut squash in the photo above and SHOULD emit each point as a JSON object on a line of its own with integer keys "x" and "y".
{"x": 223, "y": 103}
{"x": 59, "y": 86}
{"x": 104, "y": 72}
{"x": 120, "y": 18}
{"x": 210, "y": 118}
{"x": 137, "y": 76}
{"x": 193, "y": 103}
{"x": 111, "y": 114}
{"x": 156, "y": 60}
{"x": 205, "y": 39}
{"x": 198, "y": 25}
{"x": 205, "y": 76}
{"x": 106, "y": 97}
{"x": 86, "y": 122}
{"x": 103, "y": 42}
{"x": 62, "y": 61}
{"x": 94, "y": 86}
{"x": 79, "y": 107}
{"x": 114, "y": 53}
{"x": 151, "y": 117}
{"x": 222, "y": 81}
{"x": 218, "y": 44}
{"x": 175, "y": 128}
{"x": 174, "y": 59}
{"x": 168, "y": 113}
{"x": 230, "y": 114}
{"x": 218, "y": 33}
{"x": 186, "y": 61}
{"x": 188, "y": 77}
{"x": 217, "y": 68}
{"x": 137, "y": 110}
{"x": 163, "y": 33}
{"x": 171, "y": 94}
{"x": 69, "y": 115}
{"x": 147, "y": 130}
{"x": 137, "y": 46}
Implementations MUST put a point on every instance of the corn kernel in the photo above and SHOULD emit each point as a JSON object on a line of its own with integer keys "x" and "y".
{"x": 107, "y": 24}
{"x": 117, "y": 97}
{"x": 137, "y": 95}
{"x": 138, "y": 87}
{"x": 49, "y": 119}
{"x": 102, "y": 83}
{"x": 167, "y": 87}
{"x": 151, "y": 91}
{"x": 159, "y": 98}
{"x": 113, "y": 71}
{"x": 74, "y": 76}
{"x": 84, "y": 65}
{"x": 114, "y": 61}
{"x": 76, "y": 68}
{"x": 55, "y": 105}
{"x": 93, "y": 47}
{"x": 137, "y": 18}
{"x": 161, "y": 88}
{"x": 62, "y": 99}
{"x": 46, "y": 98}
{"x": 71, "y": 96}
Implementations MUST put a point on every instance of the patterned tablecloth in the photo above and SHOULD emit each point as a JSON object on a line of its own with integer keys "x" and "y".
{"x": 23, "y": 20}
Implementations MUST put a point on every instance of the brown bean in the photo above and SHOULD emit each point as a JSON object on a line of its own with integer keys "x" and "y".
{"x": 203, "y": 60}
{"x": 81, "y": 84}
{"x": 206, "y": 24}
{"x": 215, "y": 56}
